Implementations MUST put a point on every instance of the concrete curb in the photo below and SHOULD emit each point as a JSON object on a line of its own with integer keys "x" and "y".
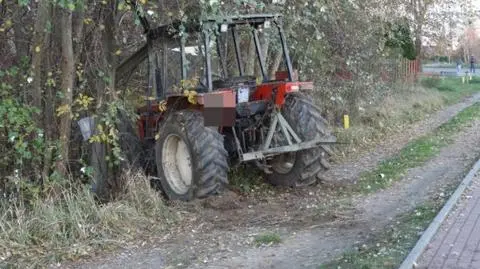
{"x": 422, "y": 243}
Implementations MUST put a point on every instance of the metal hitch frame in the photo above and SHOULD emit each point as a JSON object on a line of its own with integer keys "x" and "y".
{"x": 266, "y": 151}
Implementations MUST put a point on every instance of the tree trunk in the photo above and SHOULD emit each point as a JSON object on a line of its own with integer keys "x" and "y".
{"x": 276, "y": 61}
{"x": 265, "y": 46}
{"x": 67, "y": 83}
{"x": 39, "y": 51}
{"x": 108, "y": 41}
{"x": 250, "y": 59}
{"x": 20, "y": 35}
{"x": 49, "y": 102}
{"x": 418, "y": 44}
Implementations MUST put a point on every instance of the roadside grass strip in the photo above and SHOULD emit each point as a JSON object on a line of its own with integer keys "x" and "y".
{"x": 390, "y": 248}
{"x": 416, "y": 153}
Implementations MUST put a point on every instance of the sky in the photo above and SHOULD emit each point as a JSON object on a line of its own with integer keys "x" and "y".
{"x": 476, "y": 3}
{"x": 460, "y": 30}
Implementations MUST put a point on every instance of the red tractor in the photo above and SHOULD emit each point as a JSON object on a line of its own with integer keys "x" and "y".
{"x": 200, "y": 123}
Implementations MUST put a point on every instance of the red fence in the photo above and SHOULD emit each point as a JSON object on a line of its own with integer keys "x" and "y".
{"x": 401, "y": 70}
{"x": 408, "y": 70}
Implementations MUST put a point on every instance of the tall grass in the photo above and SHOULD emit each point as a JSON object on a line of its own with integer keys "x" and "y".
{"x": 400, "y": 106}
{"x": 72, "y": 224}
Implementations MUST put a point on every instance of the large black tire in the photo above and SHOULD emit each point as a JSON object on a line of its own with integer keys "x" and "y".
{"x": 305, "y": 119}
{"x": 207, "y": 157}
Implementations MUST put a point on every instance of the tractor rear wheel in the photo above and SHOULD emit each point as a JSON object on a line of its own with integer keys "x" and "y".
{"x": 190, "y": 158}
{"x": 301, "y": 168}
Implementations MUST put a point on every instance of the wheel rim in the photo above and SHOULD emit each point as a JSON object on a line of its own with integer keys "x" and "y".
{"x": 176, "y": 163}
{"x": 283, "y": 163}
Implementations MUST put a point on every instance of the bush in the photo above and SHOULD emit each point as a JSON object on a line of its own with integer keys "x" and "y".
{"x": 446, "y": 88}
{"x": 22, "y": 142}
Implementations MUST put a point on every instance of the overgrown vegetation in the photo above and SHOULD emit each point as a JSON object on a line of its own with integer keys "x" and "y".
{"x": 72, "y": 224}
{"x": 399, "y": 107}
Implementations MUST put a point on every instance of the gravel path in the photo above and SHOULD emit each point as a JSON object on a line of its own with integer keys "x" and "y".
{"x": 351, "y": 170}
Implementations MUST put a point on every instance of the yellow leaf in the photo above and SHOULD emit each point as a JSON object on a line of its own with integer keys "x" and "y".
{"x": 192, "y": 99}
{"x": 162, "y": 106}
{"x": 63, "y": 109}
{"x": 157, "y": 136}
{"x": 118, "y": 52}
{"x": 37, "y": 49}
{"x": 143, "y": 2}
{"x": 191, "y": 96}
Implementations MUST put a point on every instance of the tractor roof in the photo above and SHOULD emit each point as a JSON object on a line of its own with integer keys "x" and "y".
{"x": 170, "y": 30}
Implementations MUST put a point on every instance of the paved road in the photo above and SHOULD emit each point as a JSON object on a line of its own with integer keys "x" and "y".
{"x": 456, "y": 244}
{"x": 449, "y": 71}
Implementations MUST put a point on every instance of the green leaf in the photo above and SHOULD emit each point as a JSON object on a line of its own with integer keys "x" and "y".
{"x": 71, "y": 6}
{"x": 23, "y": 2}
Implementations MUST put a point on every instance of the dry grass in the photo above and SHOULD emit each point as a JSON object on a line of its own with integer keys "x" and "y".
{"x": 73, "y": 224}
{"x": 399, "y": 107}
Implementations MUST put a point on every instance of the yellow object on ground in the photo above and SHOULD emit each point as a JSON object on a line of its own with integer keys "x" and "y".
{"x": 346, "y": 121}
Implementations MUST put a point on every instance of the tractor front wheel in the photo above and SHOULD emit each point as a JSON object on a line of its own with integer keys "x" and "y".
{"x": 301, "y": 168}
{"x": 191, "y": 160}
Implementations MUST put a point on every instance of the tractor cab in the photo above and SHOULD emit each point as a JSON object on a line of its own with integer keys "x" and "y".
{"x": 210, "y": 56}
{"x": 202, "y": 52}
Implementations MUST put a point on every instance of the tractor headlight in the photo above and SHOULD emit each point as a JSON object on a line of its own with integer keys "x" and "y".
{"x": 243, "y": 95}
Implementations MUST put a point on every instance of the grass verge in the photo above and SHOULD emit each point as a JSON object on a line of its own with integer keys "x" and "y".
{"x": 399, "y": 108}
{"x": 390, "y": 248}
{"x": 416, "y": 152}
{"x": 73, "y": 225}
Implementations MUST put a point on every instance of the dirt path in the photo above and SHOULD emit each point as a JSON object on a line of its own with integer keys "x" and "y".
{"x": 350, "y": 170}
{"x": 315, "y": 225}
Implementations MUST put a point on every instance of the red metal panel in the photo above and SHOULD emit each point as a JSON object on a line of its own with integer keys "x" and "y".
{"x": 265, "y": 91}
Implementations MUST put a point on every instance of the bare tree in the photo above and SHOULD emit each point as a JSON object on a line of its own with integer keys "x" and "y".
{"x": 69, "y": 59}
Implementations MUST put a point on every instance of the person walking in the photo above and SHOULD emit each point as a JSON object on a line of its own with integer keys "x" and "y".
{"x": 459, "y": 66}
{"x": 472, "y": 64}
